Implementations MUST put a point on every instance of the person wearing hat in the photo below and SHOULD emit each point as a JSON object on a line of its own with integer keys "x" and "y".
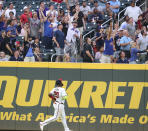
{"x": 10, "y": 9}
{"x": 73, "y": 35}
{"x": 26, "y": 15}
{"x": 134, "y": 53}
{"x": 133, "y": 11}
{"x": 107, "y": 10}
{"x": 60, "y": 41}
{"x": 117, "y": 39}
{"x": 28, "y": 50}
{"x": 58, "y": 95}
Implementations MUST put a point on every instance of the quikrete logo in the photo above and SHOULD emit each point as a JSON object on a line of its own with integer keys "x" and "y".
{"x": 16, "y": 91}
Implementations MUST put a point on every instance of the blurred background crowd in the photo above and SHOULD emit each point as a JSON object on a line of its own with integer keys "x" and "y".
{"x": 93, "y": 31}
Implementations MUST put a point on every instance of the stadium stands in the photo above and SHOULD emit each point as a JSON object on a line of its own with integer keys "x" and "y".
{"x": 93, "y": 23}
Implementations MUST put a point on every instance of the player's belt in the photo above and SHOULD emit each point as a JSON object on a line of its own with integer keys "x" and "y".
{"x": 59, "y": 102}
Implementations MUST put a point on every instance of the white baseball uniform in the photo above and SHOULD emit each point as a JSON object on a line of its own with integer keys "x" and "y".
{"x": 58, "y": 105}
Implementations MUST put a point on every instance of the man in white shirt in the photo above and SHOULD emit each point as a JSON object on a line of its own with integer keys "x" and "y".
{"x": 133, "y": 11}
{"x": 1, "y": 8}
{"x": 73, "y": 34}
{"x": 10, "y": 9}
{"x": 85, "y": 8}
{"x": 52, "y": 12}
{"x": 143, "y": 43}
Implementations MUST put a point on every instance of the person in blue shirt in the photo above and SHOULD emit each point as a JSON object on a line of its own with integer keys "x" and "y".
{"x": 28, "y": 50}
{"x": 16, "y": 57}
{"x": 43, "y": 8}
{"x": 102, "y": 3}
{"x": 122, "y": 59}
{"x": 48, "y": 32}
{"x": 2, "y": 18}
{"x": 109, "y": 46}
{"x": 96, "y": 16}
{"x": 115, "y": 6}
{"x": 12, "y": 27}
{"x": 125, "y": 43}
{"x": 134, "y": 52}
{"x": 2, "y": 25}
{"x": 60, "y": 41}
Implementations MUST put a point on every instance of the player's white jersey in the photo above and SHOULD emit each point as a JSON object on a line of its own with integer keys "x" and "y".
{"x": 59, "y": 93}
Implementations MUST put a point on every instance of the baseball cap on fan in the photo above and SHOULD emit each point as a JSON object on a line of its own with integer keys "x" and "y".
{"x": 25, "y": 7}
{"x": 58, "y": 26}
{"x": 74, "y": 21}
{"x": 120, "y": 29}
{"x": 83, "y": 1}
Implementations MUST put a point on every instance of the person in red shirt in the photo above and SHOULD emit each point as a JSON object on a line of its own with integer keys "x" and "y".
{"x": 26, "y": 15}
{"x": 139, "y": 22}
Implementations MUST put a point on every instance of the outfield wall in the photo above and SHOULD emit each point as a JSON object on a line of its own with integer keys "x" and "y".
{"x": 101, "y": 97}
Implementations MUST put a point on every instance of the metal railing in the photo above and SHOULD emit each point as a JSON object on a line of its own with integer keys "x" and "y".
{"x": 106, "y": 22}
{"x": 55, "y": 55}
{"x": 144, "y": 4}
{"x": 93, "y": 30}
{"x": 119, "y": 16}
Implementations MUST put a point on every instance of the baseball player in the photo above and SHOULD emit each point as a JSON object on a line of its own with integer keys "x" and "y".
{"x": 58, "y": 95}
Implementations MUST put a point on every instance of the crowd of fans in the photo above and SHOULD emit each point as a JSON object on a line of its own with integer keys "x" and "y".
{"x": 28, "y": 36}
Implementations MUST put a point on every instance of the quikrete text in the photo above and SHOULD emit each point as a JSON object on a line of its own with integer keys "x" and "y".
{"x": 91, "y": 91}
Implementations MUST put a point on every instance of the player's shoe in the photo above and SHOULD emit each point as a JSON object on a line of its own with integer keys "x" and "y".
{"x": 41, "y": 126}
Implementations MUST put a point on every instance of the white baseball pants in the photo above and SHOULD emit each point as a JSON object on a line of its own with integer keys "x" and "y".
{"x": 59, "y": 111}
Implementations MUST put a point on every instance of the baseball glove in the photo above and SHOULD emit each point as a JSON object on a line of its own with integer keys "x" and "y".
{"x": 52, "y": 97}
